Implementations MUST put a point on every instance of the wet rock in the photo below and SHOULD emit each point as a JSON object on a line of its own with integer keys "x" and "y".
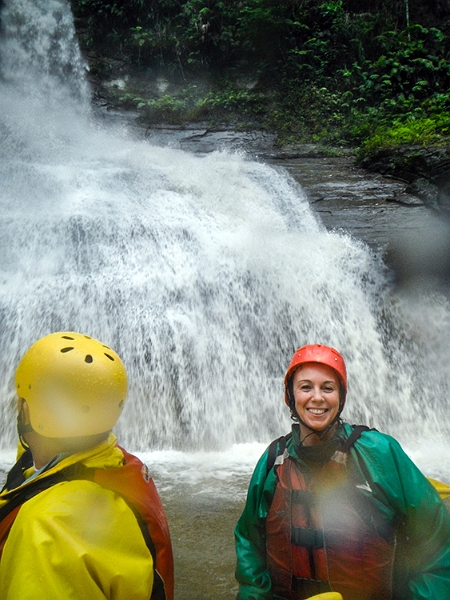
{"x": 426, "y": 190}
{"x": 426, "y": 170}
{"x": 204, "y": 139}
{"x": 371, "y": 207}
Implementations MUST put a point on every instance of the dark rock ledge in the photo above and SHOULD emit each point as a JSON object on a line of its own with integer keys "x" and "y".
{"x": 426, "y": 171}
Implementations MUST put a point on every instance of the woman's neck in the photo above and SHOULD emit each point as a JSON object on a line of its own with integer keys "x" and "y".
{"x": 309, "y": 437}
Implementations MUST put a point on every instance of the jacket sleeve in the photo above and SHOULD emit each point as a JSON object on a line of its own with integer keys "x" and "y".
{"x": 251, "y": 571}
{"x": 76, "y": 540}
{"x": 422, "y": 567}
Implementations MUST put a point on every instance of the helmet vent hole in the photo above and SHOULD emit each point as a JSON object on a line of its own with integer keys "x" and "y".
{"x": 68, "y": 349}
{"x": 109, "y": 356}
{"x": 67, "y": 337}
{"x": 85, "y": 408}
{"x": 88, "y": 358}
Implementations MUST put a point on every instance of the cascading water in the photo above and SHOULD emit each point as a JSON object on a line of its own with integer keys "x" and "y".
{"x": 203, "y": 272}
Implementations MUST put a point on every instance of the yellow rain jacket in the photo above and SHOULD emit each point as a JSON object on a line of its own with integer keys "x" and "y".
{"x": 76, "y": 539}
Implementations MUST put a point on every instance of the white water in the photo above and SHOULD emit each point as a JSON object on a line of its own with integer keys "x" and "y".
{"x": 203, "y": 272}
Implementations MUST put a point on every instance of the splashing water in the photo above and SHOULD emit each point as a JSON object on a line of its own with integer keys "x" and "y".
{"x": 203, "y": 272}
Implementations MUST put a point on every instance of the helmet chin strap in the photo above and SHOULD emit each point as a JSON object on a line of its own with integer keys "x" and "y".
{"x": 320, "y": 434}
{"x": 22, "y": 426}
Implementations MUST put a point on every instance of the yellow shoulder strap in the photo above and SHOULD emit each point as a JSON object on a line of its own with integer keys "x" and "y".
{"x": 326, "y": 596}
{"x": 442, "y": 488}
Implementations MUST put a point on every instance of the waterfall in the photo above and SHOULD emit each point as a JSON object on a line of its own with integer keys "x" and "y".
{"x": 204, "y": 273}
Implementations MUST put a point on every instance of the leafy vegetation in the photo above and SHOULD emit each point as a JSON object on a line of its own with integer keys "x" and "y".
{"x": 368, "y": 73}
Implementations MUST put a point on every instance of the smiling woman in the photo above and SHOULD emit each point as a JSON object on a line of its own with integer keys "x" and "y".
{"x": 338, "y": 508}
{"x": 316, "y": 388}
{"x": 316, "y": 398}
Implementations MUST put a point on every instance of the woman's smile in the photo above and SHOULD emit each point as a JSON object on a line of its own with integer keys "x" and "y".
{"x": 317, "y": 411}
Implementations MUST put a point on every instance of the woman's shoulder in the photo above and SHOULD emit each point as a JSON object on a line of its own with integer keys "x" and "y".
{"x": 372, "y": 439}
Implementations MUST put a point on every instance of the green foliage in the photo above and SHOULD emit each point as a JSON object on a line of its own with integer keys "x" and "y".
{"x": 321, "y": 45}
{"x": 312, "y": 114}
{"x": 424, "y": 131}
{"x": 412, "y": 65}
{"x": 194, "y": 102}
{"x": 325, "y": 70}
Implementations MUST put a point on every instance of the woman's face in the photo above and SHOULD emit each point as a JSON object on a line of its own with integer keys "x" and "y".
{"x": 316, "y": 394}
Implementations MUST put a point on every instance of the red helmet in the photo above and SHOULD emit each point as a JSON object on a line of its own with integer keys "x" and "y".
{"x": 317, "y": 353}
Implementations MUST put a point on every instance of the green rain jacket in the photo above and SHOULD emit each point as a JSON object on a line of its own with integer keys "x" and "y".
{"x": 400, "y": 492}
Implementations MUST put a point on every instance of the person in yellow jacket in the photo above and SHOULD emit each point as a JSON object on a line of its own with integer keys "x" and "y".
{"x": 80, "y": 518}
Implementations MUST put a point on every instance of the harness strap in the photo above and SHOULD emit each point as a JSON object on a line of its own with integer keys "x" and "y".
{"x": 355, "y": 435}
{"x": 306, "y": 537}
{"x": 276, "y": 448}
{"x": 303, "y": 497}
{"x": 16, "y": 477}
{"x": 158, "y": 590}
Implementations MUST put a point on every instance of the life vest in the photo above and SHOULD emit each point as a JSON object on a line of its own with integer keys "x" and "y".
{"x": 323, "y": 534}
{"x": 134, "y": 483}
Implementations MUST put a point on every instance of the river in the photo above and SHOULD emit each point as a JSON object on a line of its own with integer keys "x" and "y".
{"x": 204, "y": 271}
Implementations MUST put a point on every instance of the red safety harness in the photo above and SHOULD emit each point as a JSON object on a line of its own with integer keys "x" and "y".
{"x": 323, "y": 534}
{"x": 132, "y": 481}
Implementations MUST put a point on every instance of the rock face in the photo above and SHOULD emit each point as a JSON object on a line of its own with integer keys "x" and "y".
{"x": 426, "y": 170}
{"x": 412, "y": 239}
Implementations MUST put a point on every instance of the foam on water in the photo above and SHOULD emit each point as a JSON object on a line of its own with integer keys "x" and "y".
{"x": 226, "y": 474}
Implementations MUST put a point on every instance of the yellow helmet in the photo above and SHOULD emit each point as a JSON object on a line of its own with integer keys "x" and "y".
{"x": 73, "y": 384}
